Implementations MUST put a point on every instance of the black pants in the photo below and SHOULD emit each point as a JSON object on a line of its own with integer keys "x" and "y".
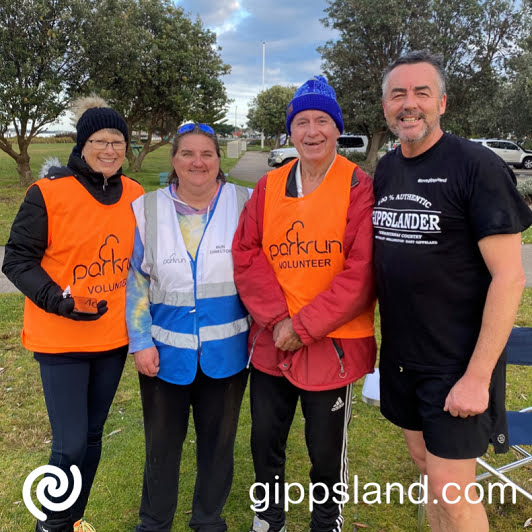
{"x": 78, "y": 393}
{"x": 327, "y": 415}
{"x": 215, "y": 407}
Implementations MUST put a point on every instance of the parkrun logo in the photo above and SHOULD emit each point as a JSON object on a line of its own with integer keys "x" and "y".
{"x": 295, "y": 245}
{"x": 172, "y": 259}
{"x": 109, "y": 263}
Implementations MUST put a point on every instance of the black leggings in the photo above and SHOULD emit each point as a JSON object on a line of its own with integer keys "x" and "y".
{"x": 215, "y": 405}
{"x": 78, "y": 391}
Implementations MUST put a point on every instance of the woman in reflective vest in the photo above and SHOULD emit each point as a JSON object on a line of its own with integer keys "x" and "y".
{"x": 68, "y": 252}
{"x": 188, "y": 329}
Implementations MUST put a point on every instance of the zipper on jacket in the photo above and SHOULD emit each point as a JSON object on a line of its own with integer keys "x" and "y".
{"x": 253, "y": 346}
{"x": 194, "y": 271}
{"x": 340, "y": 355}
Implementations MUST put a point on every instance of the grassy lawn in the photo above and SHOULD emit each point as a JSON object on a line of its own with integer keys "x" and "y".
{"x": 376, "y": 451}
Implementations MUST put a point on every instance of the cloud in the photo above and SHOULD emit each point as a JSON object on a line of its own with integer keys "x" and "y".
{"x": 291, "y": 30}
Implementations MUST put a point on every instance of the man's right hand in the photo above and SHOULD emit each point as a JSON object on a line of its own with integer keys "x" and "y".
{"x": 147, "y": 361}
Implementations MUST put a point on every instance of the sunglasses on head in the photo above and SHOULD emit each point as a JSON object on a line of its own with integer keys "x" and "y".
{"x": 187, "y": 128}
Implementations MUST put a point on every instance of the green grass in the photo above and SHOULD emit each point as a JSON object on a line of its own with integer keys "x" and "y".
{"x": 526, "y": 236}
{"x": 376, "y": 450}
{"x": 12, "y": 194}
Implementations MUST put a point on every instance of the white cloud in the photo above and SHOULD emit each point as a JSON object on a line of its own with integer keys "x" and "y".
{"x": 291, "y": 29}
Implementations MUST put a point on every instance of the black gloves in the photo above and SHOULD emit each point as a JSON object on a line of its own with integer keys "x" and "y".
{"x": 66, "y": 309}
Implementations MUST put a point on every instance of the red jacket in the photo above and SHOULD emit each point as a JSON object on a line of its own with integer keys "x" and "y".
{"x": 319, "y": 364}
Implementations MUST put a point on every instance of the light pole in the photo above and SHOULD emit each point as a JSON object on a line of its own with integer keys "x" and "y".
{"x": 263, "y": 63}
{"x": 235, "y": 120}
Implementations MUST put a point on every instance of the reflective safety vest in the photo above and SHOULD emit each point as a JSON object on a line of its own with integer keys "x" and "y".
{"x": 303, "y": 240}
{"x": 194, "y": 305}
{"x": 89, "y": 246}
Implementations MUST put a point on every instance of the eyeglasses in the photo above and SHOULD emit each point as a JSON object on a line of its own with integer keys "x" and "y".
{"x": 100, "y": 145}
{"x": 187, "y": 128}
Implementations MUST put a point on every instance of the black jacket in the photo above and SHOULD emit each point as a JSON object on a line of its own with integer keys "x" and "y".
{"x": 28, "y": 239}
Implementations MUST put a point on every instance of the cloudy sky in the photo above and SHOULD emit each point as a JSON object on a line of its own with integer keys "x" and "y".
{"x": 291, "y": 30}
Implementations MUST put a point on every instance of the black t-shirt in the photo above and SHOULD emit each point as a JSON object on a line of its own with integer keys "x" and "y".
{"x": 430, "y": 212}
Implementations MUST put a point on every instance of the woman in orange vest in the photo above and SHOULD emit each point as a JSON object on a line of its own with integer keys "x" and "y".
{"x": 68, "y": 253}
{"x": 303, "y": 267}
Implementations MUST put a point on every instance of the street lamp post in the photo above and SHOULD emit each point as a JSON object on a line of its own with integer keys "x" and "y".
{"x": 263, "y": 63}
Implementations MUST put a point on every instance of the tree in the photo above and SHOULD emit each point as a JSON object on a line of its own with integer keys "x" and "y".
{"x": 267, "y": 112}
{"x": 41, "y": 64}
{"x": 157, "y": 67}
{"x": 371, "y": 36}
{"x": 473, "y": 36}
{"x": 516, "y": 96}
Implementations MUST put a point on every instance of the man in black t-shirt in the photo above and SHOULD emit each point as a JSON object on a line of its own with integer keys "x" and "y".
{"x": 447, "y": 222}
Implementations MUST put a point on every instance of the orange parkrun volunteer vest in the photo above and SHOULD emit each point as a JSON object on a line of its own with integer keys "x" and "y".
{"x": 303, "y": 240}
{"x": 89, "y": 246}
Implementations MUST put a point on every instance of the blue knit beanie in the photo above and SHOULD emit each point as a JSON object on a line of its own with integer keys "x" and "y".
{"x": 317, "y": 94}
{"x": 96, "y": 118}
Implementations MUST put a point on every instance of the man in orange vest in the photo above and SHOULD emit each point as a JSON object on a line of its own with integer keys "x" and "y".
{"x": 303, "y": 268}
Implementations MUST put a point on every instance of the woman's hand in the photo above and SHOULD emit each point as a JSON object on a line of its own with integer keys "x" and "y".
{"x": 147, "y": 361}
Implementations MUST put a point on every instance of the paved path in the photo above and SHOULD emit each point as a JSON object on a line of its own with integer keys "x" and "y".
{"x": 5, "y": 286}
{"x": 251, "y": 166}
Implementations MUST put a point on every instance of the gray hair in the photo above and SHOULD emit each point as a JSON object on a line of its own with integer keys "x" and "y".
{"x": 412, "y": 58}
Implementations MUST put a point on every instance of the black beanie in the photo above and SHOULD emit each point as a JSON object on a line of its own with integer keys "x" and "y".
{"x": 97, "y": 118}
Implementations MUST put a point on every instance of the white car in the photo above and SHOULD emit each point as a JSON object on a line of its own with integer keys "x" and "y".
{"x": 509, "y": 152}
{"x": 346, "y": 144}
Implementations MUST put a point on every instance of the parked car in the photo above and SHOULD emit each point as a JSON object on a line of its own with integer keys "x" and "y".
{"x": 346, "y": 144}
{"x": 509, "y": 152}
{"x": 394, "y": 144}
{"x": 282, "y": 156}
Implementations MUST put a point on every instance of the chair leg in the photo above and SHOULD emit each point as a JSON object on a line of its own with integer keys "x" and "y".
{"x": 500, "y": 476}
{"x": 421, "y": 510}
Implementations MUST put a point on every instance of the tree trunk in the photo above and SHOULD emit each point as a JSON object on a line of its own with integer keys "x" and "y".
{"x": 375, "y": 143}
{"x": 130, "y": 156}
{"x": 23, "y": 166}
{"x": 137, "y": 165}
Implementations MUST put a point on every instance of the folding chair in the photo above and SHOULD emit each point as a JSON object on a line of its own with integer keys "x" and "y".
{"x": 519, "y": 352}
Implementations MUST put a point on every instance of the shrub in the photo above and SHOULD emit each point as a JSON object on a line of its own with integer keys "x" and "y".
{"x": 353, "y": 156}
{"x": 69, "y": 134}
{"x": 525, "y": 189}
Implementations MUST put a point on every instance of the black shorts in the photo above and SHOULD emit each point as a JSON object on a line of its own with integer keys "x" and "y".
{"x": 414, "y": 399}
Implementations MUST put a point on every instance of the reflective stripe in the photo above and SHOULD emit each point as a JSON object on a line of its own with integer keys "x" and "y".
{"x": 226, "y": 330}
{"x": 150, "y": 239}
{"x": 175, "y": 299}
{"x": 175, "y": 339}
{"x": 242, "y": 196}
{"x": 215, "y": 290}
